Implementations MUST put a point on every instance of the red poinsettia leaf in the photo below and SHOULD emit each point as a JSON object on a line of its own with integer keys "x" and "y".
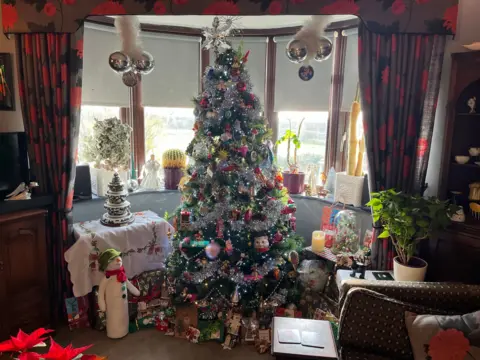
{"x": 56, "y": 352}
{"x": 6, "y": 346}
{"x": 89, "y": 357}
{"x": 29, "y": 356}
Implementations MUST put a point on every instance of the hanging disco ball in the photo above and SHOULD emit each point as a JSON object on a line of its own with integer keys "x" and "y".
{"x": 145, "y": 64}
{"x": 130, "y": 78}
{"x": 119, "y": 62}
{"x": 324, "y": 49}
{"x": 296, "y": 51}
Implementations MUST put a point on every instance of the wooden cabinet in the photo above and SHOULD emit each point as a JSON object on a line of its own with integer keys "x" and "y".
{"x": 24, "y": 292}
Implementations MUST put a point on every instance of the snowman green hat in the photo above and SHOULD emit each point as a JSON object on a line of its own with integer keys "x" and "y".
{"x": 106, "y": 257}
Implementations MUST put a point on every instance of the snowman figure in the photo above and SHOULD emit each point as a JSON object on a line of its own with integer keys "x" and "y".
{"x": 112, "y": 293}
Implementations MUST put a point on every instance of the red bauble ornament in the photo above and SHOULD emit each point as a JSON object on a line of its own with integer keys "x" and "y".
{"x": 241, "y": 86}
{"x": 248, "y": 215}
{"x": 204, "y": 102}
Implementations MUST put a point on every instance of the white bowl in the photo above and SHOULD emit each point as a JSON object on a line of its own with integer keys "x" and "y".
{"x": 462, "y": 159}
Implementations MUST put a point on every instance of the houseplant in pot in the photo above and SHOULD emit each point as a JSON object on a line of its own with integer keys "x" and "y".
{"x": 293, "y": 179}
{"x": 174, "y": 162}
{"x": 407, "y": 220}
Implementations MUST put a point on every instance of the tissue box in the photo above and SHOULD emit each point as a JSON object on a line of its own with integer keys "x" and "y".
{"x": 349, "y": 189}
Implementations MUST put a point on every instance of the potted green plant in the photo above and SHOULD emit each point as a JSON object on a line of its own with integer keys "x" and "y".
{"x": 407, "y": 220}
{"x": 174, "y": 162}
{"x": 293, "y": 179}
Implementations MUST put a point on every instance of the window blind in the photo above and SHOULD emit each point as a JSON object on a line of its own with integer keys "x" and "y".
{"x": 256, "y": 61}
{"x": 176, "y": 77}
{"x": 351, "y": 69}
{"x": 294, "y": 94}
{"x": 101, "y": 86}
{"x": 173, "y": 82}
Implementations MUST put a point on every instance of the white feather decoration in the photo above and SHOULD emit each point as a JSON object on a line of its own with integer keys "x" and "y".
{"x": 311, "y": 32}
{"x": 128, "y": 28}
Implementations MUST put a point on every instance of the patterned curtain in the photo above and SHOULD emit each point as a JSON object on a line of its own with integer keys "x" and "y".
{"x": 50, "y": 82}
{"x": 399, "y": 81}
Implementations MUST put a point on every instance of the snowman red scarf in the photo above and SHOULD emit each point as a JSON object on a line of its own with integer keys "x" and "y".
{"x": 121, "y": 276}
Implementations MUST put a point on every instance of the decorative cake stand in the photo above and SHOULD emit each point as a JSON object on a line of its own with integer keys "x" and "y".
{"x": 118, "y": 208}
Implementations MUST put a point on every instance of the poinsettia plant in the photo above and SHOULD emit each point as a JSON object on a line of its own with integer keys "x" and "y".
{"x": 19, "y": 347}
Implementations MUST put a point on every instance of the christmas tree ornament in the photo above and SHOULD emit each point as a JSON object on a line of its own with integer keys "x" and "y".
{"x": 296, "y": 51}
{"x": 130, "y": 78}
{"x": 235, "y": 299}
{"x": 294, "y": 259}
{"x": 278, "y": 237}
{"x": 144, "y": 64}
{"x": 185, "y": 220}
{"x": 228, "y": 247}
{"x": 184, "y": 244}
{"x": 212, "y": 250}
{"x": 324, "y": 49}
{"x": 243, "y": 150}
{"x": 248, "y": 215}
{"x": 261, "y": 244}
{"x": 276, "y": 273}
{"x": 112, "y": 293}
{"x": 241, "y": 86}
{"x": 306, "y": 72}
{"x": 120, "y": 62}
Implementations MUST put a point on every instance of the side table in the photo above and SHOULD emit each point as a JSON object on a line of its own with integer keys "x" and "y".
{"x": 344, "y": 275}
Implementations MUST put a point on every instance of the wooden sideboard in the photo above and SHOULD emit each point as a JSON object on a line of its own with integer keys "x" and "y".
{"x": 24, "y": 291}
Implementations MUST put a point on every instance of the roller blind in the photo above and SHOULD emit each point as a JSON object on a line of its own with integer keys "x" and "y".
{"x": 256, "y": 61}
{"x": 176, "y": 77}
{"x": 101, "y": 86}
{"x": 294, "y": 94}
{"x": 351, "y": 69}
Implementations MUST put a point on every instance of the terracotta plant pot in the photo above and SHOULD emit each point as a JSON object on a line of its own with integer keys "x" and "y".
{"x": 295, "y": 183}
{"x": 415, "y": 271}
{"x": 172, "y": 178}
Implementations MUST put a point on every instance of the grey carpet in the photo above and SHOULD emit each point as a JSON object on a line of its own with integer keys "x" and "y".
{"x": 151, "y": 344}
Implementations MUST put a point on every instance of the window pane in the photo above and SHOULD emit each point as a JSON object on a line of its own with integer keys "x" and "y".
{"x": 87, "y": 119}
{"x": 313, "y": 137}
{"x": 167, "y": 128}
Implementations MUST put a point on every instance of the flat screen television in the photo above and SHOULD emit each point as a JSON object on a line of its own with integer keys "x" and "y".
{"x": 14, "y": 165}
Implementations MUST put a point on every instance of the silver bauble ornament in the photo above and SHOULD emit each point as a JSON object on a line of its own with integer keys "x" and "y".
{"x": 145, "y": 64}
{"x": 324, "y": 49}
{"x": 296, "y": 51}
{"x": 132, "y": 185}
{"x": 130, "y": 78}
{"x": 119, "y": 62}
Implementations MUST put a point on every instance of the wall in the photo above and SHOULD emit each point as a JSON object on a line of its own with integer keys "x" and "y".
{"x": 10, "y": 121}
{"x": 468, "y": 31}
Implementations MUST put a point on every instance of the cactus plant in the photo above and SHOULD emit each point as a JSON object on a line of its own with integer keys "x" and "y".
{"x": 174, "y": 159}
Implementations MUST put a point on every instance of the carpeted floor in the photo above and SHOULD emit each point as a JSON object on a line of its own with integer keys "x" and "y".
{"x": 152, "y": 345}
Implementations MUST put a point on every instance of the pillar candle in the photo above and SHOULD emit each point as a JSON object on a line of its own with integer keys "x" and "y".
{"x": 318, "y": 241}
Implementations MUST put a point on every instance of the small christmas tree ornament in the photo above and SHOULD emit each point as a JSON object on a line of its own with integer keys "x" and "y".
{"x": 112, "y": 293}
{"x": 347, "y": 237}
{"x": 118, "y": 209}
{"x": 236, "y": 296}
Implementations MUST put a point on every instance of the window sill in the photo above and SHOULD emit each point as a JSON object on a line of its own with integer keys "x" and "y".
{"x": 331, "y": 202}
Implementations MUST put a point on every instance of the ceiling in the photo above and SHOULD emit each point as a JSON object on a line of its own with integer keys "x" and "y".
{"x": 244, "y": 22}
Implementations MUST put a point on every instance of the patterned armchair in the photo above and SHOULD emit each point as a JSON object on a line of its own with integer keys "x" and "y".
{"x": 372, "y": 322}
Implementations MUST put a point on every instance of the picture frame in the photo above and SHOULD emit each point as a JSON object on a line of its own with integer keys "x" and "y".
{"x": 185, "y": 317}
{"x": 7, "y": 94}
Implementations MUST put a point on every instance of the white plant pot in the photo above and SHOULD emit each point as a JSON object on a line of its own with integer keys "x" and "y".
{"x": 101, "y": 178}
{"x": 409, "y": 273}
{"x": 349, "y": 189}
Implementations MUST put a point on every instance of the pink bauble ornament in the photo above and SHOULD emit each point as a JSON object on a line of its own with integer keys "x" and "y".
{"x": 277, "y": 237}
{"x": 243, "y": 150}
{"x": 248, "y": 215}
{"x": 212, "y": 250}
{"x": 241, "y": 86}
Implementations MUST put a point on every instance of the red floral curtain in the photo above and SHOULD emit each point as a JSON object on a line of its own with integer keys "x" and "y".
{"x": 399, "y": 82}
{"x": 50, "y": 82}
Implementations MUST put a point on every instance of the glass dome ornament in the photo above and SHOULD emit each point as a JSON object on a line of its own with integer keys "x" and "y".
{"x": 347, "y": 236}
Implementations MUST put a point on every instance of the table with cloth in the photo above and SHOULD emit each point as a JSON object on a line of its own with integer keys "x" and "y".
{"x": 144, "y": 245}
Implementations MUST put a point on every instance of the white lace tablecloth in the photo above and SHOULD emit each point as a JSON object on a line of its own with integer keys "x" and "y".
{"x": 144, "y": 245}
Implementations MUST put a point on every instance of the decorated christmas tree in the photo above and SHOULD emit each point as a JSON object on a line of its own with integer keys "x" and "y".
{"x": 235, "y": 227}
